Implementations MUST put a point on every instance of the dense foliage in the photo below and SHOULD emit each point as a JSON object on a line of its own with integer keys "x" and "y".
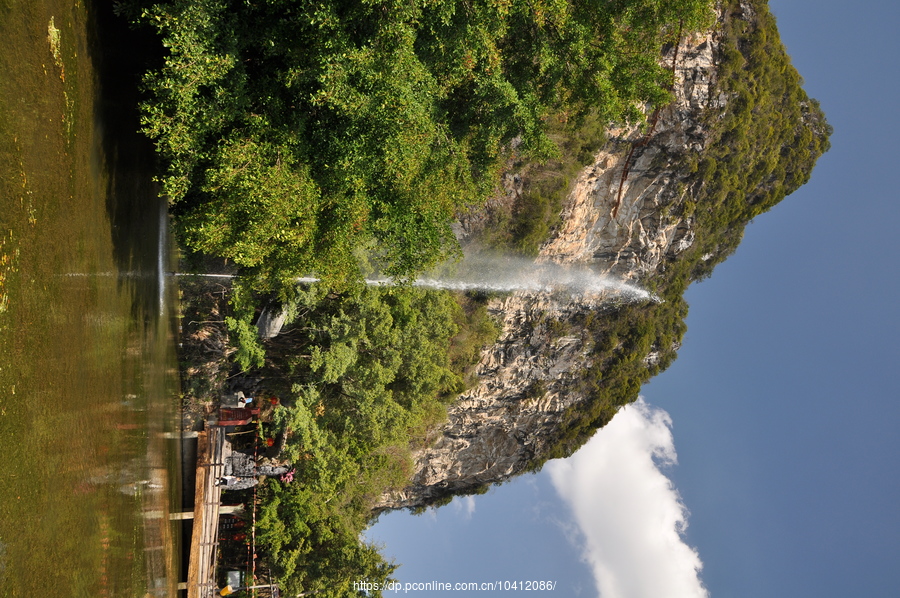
{"x": 363, "y": 375}
{"x": 296, "y": 133}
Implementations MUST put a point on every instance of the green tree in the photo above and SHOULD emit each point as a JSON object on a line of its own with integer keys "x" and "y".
{"x": 296, "y": 133}
{"x": 363, "y": 373}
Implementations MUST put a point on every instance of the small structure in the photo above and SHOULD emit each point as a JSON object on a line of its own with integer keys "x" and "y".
{"x": 207, "y": 502}
{"x": 237, "y": 400}
{"x": 217, "y": 461}
{"x": 239, "y": 416}
{"x": 243, "y": 470}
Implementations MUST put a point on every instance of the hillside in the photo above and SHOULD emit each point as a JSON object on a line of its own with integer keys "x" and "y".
{"x": 739, "y": 137}
{"x": 367, "y": 375}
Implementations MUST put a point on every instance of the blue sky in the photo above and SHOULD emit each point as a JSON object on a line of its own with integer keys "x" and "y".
{"x": 783, "y": 402}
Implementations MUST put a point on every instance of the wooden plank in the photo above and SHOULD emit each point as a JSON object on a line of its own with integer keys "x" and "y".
{"x": 207, "y": 499}
{"x": 193, "y": 578}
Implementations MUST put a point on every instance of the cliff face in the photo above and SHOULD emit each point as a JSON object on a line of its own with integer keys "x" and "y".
{"x": 739, "y": 137}
{"x": 528, "y": 378}
{"x": 627, "y": 232}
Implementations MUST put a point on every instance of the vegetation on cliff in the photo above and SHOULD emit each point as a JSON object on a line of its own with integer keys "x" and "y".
{"x": 761, "y": 147}
{"x": 296, "y": 134}
{"x": 521, "y": 227}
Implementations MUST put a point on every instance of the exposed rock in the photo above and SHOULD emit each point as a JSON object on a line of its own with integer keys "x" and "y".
{"x": 271, "y": 321}
{"x": 630, "y": 242}
{"x": 527, "y": 379}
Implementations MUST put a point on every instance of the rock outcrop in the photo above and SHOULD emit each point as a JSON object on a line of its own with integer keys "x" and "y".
{"x": 659, "y": 207}
{"x": 528, "y": 378}
{"x": 627, "y": 232}
{"x": 271, "y": 320}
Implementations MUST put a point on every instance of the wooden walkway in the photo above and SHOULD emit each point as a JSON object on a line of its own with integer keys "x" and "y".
{"x": 201, "y": 581}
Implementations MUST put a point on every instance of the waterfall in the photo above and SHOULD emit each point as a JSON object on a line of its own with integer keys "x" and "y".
{"x": 506, "y": 275}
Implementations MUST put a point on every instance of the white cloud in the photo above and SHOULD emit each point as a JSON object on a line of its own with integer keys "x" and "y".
{"x": 629, "y": 514}
{"x": 464, "y": 506}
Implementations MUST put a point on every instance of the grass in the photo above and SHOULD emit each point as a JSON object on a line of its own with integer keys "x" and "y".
{"x": 522, "y": 225}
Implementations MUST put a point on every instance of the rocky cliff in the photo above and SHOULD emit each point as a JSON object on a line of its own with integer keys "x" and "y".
{"x": 631, "y": 226}
{"x": 528, "y": 379}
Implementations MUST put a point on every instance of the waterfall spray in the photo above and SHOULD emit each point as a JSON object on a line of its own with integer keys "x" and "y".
{"x": 506, "y": 275}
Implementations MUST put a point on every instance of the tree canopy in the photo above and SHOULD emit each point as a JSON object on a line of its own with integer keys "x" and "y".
{"x": 362, "y": 376}
{"x": 298, "y": 132}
